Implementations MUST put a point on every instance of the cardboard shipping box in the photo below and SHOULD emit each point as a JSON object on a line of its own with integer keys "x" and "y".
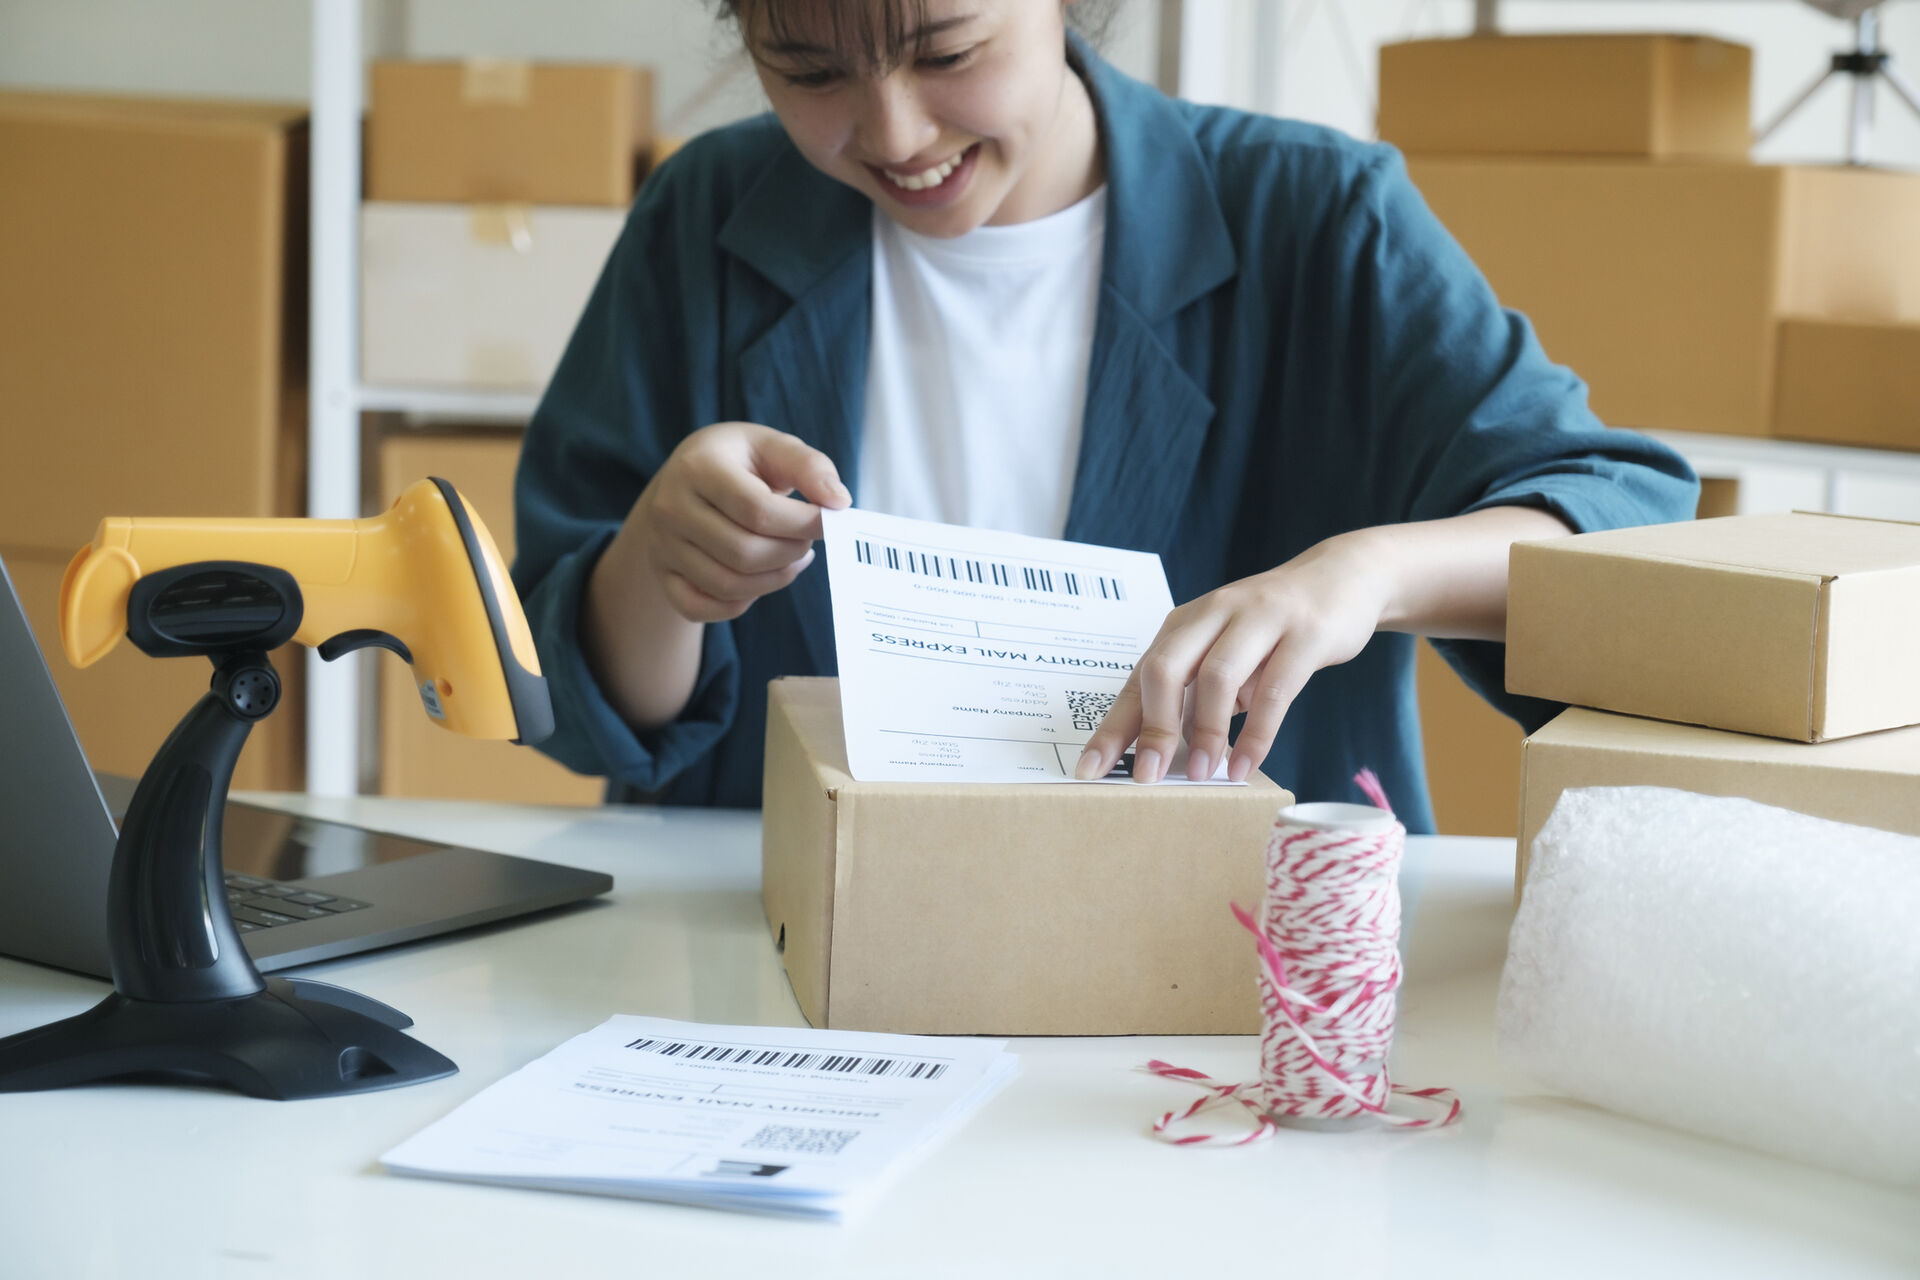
{"x": 1792, "y": 625}
{"x": 1849, "y": 382}
{"x": 1872, "y": 780}
{"x": 1004, "y": 910}
{"x": 1655, "y": 96}
{"x": 475, "y": 296}
{"x": 1661, "y": 284}
{"x": 495, "y": 129}
{"x": 124, "y": 706}
{"x": 417, "y": 756}
{"x": 152, "y": 312}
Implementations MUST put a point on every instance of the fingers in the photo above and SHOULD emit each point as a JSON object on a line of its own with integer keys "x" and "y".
{"x": 1224, "y": 671}
{"x": 787, "y": 463}
{"x": 1116, "y": 731}
{"x": 745, "y": 471}
{"x": 1274, "y": 690}
{"x": 704, "y": 590}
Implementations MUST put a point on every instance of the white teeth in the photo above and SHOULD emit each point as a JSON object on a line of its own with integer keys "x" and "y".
{"x": 923, "y": 181}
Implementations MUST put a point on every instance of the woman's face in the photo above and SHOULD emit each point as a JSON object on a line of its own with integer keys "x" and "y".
{"x": 981, "y": 122}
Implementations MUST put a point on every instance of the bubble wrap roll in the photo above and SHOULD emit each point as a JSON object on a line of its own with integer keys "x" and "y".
{"x": 1723, "y": 966}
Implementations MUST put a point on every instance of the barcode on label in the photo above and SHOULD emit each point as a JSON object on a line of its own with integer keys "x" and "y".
{"x": 808, "y": 1142}
{"x": 1066, "y": 582}
{"x": 852, "y": 1064}
{"x": 1088, "y": 708}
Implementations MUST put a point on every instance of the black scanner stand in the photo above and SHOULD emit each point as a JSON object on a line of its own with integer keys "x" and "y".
{"x": 188, "y": 1003}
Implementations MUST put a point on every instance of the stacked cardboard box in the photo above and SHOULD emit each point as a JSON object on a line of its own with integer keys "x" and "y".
{"x": 152, "y": 347}
{"x": 1602, "y": 184}
{"x": 495, "y": 190}
{"x": 1759, "y": 656}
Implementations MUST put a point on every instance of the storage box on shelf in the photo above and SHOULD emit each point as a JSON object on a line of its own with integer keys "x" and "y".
{"x": 466, "y": 296}
{"x": 1850, "y": 382}
{"x": 417, "y": 757}
{"x": 502, "y": 130}
{"x": 1651, "y": 96}
{"x": 1662, "y": 284}
{"x": 152, "y": 348}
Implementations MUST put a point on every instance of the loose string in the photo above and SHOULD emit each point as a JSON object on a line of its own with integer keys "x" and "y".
{"x": 1328, "y": 941}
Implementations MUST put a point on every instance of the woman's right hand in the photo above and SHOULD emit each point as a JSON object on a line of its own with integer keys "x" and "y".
{"x": 718, "y": 524}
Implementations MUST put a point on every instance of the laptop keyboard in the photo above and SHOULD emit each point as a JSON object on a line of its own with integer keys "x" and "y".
{"x": 264, "y": 904}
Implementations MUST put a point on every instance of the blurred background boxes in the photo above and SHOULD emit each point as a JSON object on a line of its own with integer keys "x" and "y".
{"x": 1650, "y": 96}
{"x": 1662, "y": 284}
{"x": 1849, "y": 382}
{"x": 506, "y": 130}
{"x": 152, "y": 348}
{"x": 417, "y": 757}
{"x": 475, "y": 295}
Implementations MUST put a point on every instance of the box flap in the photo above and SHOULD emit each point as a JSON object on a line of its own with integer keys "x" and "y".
{"x": 1798, "y": 542}
{"x": 1866, "y": 676}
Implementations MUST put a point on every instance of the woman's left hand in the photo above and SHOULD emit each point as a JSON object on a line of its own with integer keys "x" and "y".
{"x": 1251, "y": 645}
{"x": 1248, "y": 646}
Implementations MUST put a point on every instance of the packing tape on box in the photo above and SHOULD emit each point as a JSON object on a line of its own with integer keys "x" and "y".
{"x": 1328, "y": 939}
{"x": 506, "y": 82}
{"x": 1724, "y": 966}
{"x": 508, "y": 226}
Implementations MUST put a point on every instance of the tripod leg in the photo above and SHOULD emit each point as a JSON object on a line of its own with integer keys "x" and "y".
{"x": 1901, "y": 86}
{"x": 1800, "y": 100}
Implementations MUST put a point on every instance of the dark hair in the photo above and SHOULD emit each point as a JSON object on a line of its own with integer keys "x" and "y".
{"x": 879, "y": 33}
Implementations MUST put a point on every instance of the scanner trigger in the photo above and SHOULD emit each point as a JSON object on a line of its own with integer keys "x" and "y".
{"x": 348, "y": 641}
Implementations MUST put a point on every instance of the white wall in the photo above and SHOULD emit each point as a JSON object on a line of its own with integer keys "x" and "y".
{"x": 1324, "y": 54}
{"x": 261, "y": 48}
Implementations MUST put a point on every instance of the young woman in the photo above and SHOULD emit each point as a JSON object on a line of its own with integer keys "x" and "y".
{"x": 966, "y": 271}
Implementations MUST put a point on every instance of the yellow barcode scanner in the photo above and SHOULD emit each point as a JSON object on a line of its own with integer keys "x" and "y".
{"x": 422, "y": 579}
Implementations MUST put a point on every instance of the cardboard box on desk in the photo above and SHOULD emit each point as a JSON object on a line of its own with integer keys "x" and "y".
{"x": 475, "y": 295}
{"x": 153, "y": 277}
{"x": 1872, "y": 780}
{"x": 1652, "y": 96}
{"x": 1661, "y": 284}
{"x": 1849, "y": 382}
{"x": 496, "y": 129}
{"x": 1004, "y": 910}
{"x": 1794, "y": 625}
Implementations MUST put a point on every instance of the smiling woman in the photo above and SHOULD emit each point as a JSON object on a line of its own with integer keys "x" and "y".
{"x": 951, "y": 114}
{"x": 968, "y": 272}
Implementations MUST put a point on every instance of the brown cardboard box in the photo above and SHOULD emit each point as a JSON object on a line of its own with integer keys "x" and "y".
{"x": 1654, "y": 96}
{"x": 1004, "y": 910}
{"x": 417, "y": 757}
{"x": 1662, "y": 284}
{"x": 1792, "y": 625}
{"x": 1849, "y": 382}
{"x": 491, "y": 129}
{"x": 152, "y": 316}
{"x": 124, "y": 706}
{"x": 1872, "y": 780}
{"x": 475, "y": 295}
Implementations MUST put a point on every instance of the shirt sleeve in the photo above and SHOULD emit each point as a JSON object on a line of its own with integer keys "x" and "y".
{"x": 618, "y": 403}
{"x": 1468, "y": 412}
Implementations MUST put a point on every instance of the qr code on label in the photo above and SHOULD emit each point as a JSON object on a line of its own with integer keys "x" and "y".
{"x": 811, "y": 1142}
{"x": 1088, "y": 708}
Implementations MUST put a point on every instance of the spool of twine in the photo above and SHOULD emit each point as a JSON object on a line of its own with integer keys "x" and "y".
{"x": 1328, "y": 937}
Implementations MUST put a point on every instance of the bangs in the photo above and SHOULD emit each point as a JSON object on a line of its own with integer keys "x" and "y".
{"x": 873, "y": 35}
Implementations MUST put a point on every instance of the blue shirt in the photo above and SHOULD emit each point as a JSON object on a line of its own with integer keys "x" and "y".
{"x": 1287, "y": 346}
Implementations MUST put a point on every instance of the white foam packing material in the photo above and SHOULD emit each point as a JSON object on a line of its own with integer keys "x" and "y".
{"x": 1726, "y": 967}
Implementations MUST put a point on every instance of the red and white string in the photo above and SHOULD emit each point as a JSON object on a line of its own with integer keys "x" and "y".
{"x": 1328, "y": 939}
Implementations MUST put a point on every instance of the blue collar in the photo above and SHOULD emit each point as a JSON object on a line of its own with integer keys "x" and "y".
{"x": 1166, "y": 241}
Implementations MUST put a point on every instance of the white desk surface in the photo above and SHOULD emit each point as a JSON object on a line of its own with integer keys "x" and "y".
{"x": 1056, "y": 1177}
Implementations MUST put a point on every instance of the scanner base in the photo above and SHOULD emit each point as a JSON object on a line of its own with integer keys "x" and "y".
{"x": 296, "y": 1039}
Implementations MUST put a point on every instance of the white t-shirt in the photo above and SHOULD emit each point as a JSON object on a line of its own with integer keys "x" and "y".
{"x": 977, "y": 370}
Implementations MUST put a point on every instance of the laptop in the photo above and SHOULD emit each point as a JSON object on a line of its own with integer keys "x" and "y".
{"x": 300, "y": 889}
